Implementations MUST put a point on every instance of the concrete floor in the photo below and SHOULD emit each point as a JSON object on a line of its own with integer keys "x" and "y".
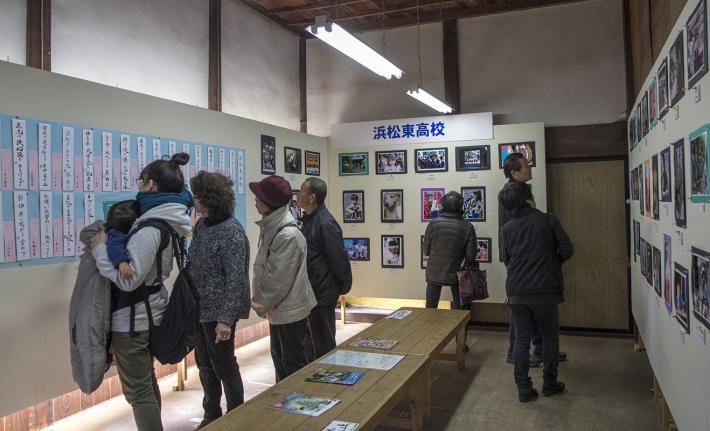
{"x": 608, "y": 390}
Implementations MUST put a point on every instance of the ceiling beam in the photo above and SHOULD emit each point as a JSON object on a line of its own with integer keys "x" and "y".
{"x": 311, "y": 7}
{"x": 422, "y": 3}
{"x": 276, "y": 20}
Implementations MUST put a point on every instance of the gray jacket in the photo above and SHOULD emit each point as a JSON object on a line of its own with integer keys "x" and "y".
{"x": 142, "y": 248}
{"x": 282, "y": 292}
{"x": 449, "y": 241}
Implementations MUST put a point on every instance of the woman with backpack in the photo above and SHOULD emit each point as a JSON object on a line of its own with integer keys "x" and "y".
{"x": 162, "y": 195}
{"x": 218, "y": 261}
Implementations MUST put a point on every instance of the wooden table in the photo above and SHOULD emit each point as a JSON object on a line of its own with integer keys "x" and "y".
{"x": 367, "y": 402}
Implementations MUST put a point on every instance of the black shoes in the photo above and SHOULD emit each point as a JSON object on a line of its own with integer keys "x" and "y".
{"x": 557, "y": 388}
{"x": 526, "y": 397}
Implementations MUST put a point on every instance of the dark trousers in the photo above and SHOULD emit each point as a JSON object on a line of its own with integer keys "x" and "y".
{"x": 536, "y": 340}
{"x": 321, "y": 337}
{"x": 433, "y": 293}
{"x": 218, "y": 370}
{"x": 546, "y": 319}
{"x": 287, "y": 350}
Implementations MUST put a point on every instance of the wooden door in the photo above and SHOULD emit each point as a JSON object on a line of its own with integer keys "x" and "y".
{"x": 589, "y": 199}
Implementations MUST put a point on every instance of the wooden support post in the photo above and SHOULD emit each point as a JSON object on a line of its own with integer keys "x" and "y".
{"x": 39, "y": 34}
{"x": 343, "y": 304}
{"x": 302, "y": 89}
{"x": 451, "y": 64}
{"x": 214, "y": 79}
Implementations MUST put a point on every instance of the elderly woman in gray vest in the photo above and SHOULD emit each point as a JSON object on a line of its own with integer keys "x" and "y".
{"x": 282, "y": 292}
{"x": 218, "y": 261}
{"x": 450, "y": 242}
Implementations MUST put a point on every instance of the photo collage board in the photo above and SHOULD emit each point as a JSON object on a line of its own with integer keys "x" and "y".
{"x": 56, "y": 178}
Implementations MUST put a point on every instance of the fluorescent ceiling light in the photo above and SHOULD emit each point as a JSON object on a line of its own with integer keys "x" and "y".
{"x": 338, "y": 38}
{"x": 430, "y": 100}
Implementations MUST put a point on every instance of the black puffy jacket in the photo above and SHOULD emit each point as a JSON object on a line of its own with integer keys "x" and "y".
{"x": 328, "y": 263}
{"x": 534, "y": 247}
{"x": 448, "y": 241}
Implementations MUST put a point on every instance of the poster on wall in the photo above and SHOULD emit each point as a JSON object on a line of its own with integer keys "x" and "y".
{"x": 354, "y": 206}
{"x": 696, "y": 47}
{"x": 474, "y": 203}
{"x": 679, "y": 182}
{"x": 649, "y": 263}
{"x": 653, "y": 103}
{"x": 312, "y": 163}
{"x": 642, "y": 257}
{"x": 294, "y": 207}
{"x": 644, "y": 114}
{"x": 654, "y": 178}
{"x": 292, "y": 160}
{"x": 676, "y": 70}
{"x": 667, "y": 273}
{"x": 391, "y": 162}
{"x": 527, "y": 149}
{"x": 431, "y": 203}
{"x": 268, "y": 155}
{"x": 647, "y": 187}
{"x": 392, "y": 251}
{"x": 358, "y": 249}
{"x": 431, "y": 160}
{"x": 699, "y": 169}
{"x": 353, "y": 164}
{"x": 476, "y": 158}
{"x": 637, "y": 238}
{"x": 663, "y": 89}
{"x": 642, "y": 194}
{"x": 632, "y": 132}
{"x": 680, "y": 295}
{"x": 392, "y": 204}
{"x": 666, "y": 175}
{"x": 657, "y": 272}
{"x": 483, "y": 250}
{"x": 700, "y": 271}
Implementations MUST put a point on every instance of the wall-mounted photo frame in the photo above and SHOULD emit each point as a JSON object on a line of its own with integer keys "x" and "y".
{"x": 431, "y": 160}
{"x": 292, "y": 160}
{"x": 681, "y": 296}
{"x": 656, "y": 276}
{"x": 392, "y": 251}
{"x": 639, "y": 135}
{"x": 358, "y": 249}
{"x": 474, "y": 158}
{"x": 430, "y": 200}
{"x": 679, "y": 195}
{"x": 647, "y": 187}
{"x": 667, "y": 273}
{"x": 424, "y": 259}
{"x": 312, "y": 162}
{"x": 676, "y": 70}
{"x": 474, "y": 203}
{"x": 392, "y": 206}
{"x": 483, "y": 249}
{"x": 637, "y": 238}
{"x": 354, "y": 206}
{"x": 527, "y": 149}
{"x": 700, "y": 283}
{"x": 665, "y": 178}
{"x": 663, "y": 89}
{"x": 699, "y": 165}
{"x": 653, "y": 102}
{"x": 642, "y": 257}
{"x": 632, "y": 132}
{"x": 294, "y": 207}
{"x": 644, "y": 115}
{"x": 655, "y": 205}
{"x": 391, "y": 162}
{"x": 350, "y": 164}
{"x": 696, "y": 31}
{"x": 642, "y": 195}
{"x": 649, "y": 263}
{"x": 268, "y": 155}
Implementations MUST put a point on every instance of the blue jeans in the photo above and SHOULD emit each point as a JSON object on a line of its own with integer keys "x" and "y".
{"x": 546, "y": 319}
{"x": 536, "y": 340}
{"x": 433, "y": 293}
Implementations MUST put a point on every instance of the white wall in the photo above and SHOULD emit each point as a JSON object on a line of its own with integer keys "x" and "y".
{"x": 13, "y": 30}
{"x": 681, "y": 364}
{"x": 562, "y": 65}
{"x": 35, "y": 304}
{"x": 152, "y": 47}
{"x": 342, "y": 91}
{"x": 259, "y": 68}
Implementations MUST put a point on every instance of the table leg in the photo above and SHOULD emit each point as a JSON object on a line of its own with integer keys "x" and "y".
{"x": 460, "y": 346}
{"x": 427, "y": 391}
{"x": 417, "y": 403}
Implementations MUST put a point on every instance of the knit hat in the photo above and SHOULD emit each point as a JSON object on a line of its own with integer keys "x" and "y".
{"x": 273, "y": 190}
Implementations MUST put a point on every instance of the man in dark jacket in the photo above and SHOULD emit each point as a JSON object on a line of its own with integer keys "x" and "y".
{"x": 328, "y": 266}
{"x": 534, "y": 247}
{"x": 449, "y": 241}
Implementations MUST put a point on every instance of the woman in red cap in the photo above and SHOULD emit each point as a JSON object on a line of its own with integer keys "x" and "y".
{"x": 281, "y": 290}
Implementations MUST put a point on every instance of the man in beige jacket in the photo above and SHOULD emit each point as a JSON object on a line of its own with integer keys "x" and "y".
{"x": 281, "y": 291}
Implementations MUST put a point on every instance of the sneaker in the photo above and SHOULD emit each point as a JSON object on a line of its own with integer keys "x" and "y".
{"x": 534, "y": 361}
{"x": 526, "y": 397}
{"x": 557, "y": 388}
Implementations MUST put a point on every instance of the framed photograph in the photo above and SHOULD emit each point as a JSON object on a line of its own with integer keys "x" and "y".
{"x": 312, "y": 163}
{"x": 642, "y": 195}
{"x": 354, "y": 206}
{"x": 358, "y": 249}
{"x": 292, "y": 160}
{"x": 653, "y": 103}
{"x": 294, "y": 207}
{"x": 636, "y": 184}
{"x": 431, "y": 203}
{"x": 656, "y": 277}
{"x": 632, "y": 132}
{"x": 667, "y": 273}
{"x": 431, "y": 160}
{"x": 639, "y": 134}
{"x": 700, "y": 271}
{"x": 676, "y": 70}
{"x": 666, "y": 195}
{"x": 647, "y": 187}
{"x": 353, "y": 164}
{"x": 649, "y": 263}
{"x": 477, "y": 158}
{"x": 696, "y": 30}
{"x": 391, "y": 162}
{"x": 393, "y": 251}
{"x": 679, "y": 182}
{"x": 268, "y": 155}
{"x": 654, "y": 187}
{"x": 699, "y": 168}
{"x": 392, "y": 205}
{"x": 637, "y": 237}
{"x": 527, "y": 149}
{"x": 663, "y": 89}
{"x": 474, "y": 203}
{"x": 483, "y": 250}
{"x": 642, "y": 257}
{"x": 680, "y": 295}
{"x": 644, "y": 114}
{"x": 424, "y": 258}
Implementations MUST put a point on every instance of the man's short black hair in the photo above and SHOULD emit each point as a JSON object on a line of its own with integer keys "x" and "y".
{"x": 452, "y": 203}
{"x": 514, "y": 162}
{"x": 514, "y": 197}
{"x": 318, "y": 188}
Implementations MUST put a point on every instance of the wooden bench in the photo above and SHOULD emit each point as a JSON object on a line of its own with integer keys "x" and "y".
{"x": 367, "y": 402}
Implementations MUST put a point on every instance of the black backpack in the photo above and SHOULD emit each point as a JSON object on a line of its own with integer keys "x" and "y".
{"x": 176, "y": 336}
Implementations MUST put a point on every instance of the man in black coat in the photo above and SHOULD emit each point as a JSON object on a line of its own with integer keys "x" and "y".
{"x": 534, "y": 247}
{"x": 328, "y": 266}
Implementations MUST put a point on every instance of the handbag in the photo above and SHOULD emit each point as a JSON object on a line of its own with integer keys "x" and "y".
{"x": 472, "y": 285}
